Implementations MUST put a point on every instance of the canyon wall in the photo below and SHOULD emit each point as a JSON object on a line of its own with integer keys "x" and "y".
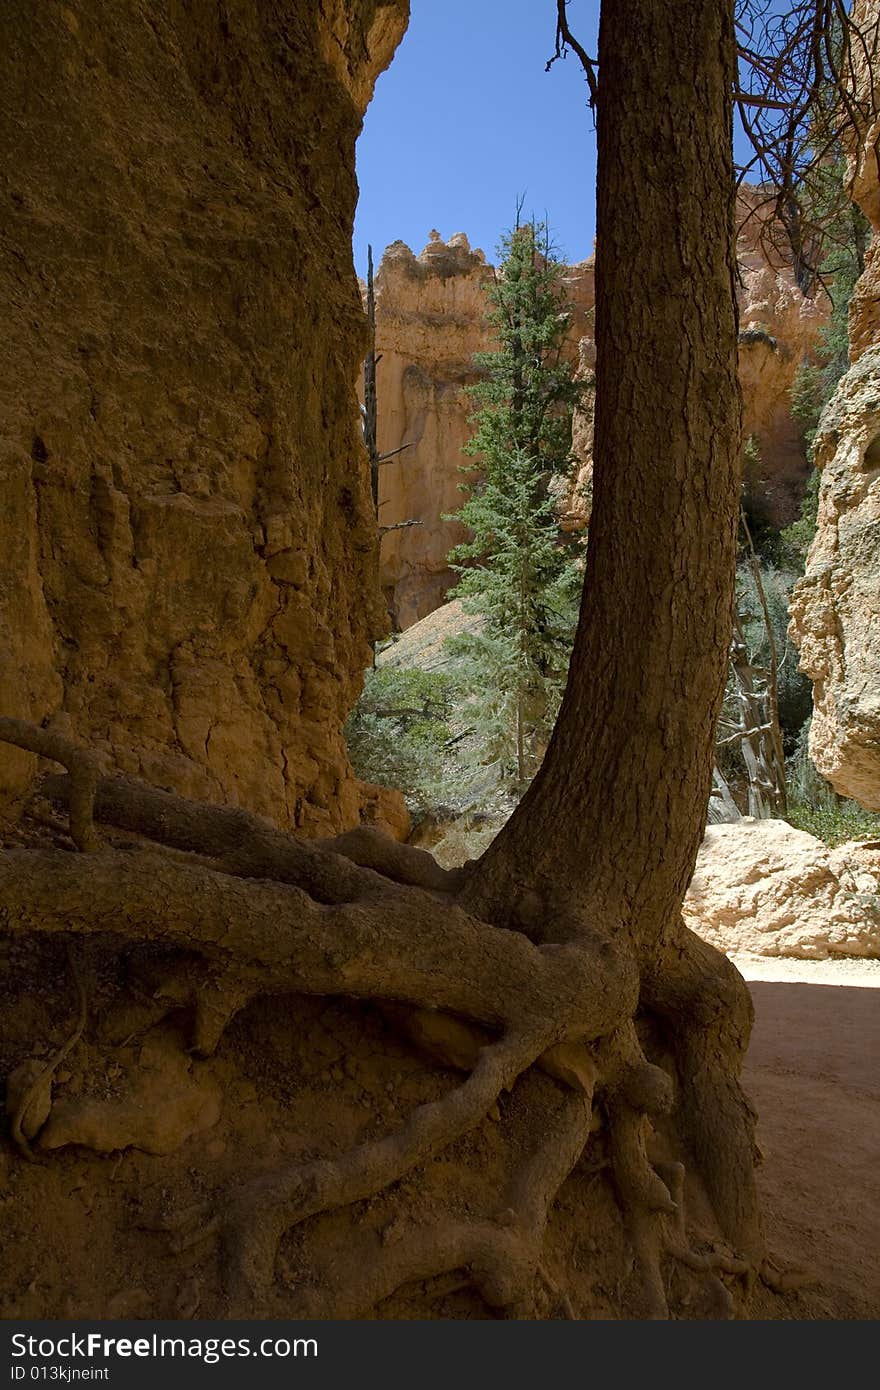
{"x": 863, "y": 173}
{"x": 778, "y": 327}
{"x": 187, "y": 546}
{"x": 836, "y": 606}
{"x": 429, "y": 324}
{"x": 430, "y": 320}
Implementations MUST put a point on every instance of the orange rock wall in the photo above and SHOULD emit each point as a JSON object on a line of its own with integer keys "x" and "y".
{"x": 187, "y": 547}
{"x": 430, "y": 320}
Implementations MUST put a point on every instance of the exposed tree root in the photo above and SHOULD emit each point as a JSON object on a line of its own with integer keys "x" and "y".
{"x": 782, "y": 1279}
{"x": 369, "y": 848}
{"x": 82, "y": 771}
{"x": 704, "y": 1009}
{"x": 369, "y": 919}
{"x": 331, "y": 871}
{"x": 500, "y": 1252}
{"x": 43, "y": 1075}
{"x": 274, "y": 1204}
{"x": 398, "y": 944}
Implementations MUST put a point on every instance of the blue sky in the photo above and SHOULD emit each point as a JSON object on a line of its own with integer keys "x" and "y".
{"x": 466, "y": 120}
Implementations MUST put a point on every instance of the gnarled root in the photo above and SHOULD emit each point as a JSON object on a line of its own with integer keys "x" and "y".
{"x": 82, "y": 771}
{"x": 705, "y": 1011}
{"x": 499, "y": 1251}
{"x": 503, "y": 1259}
{"x": 368, "y": 919}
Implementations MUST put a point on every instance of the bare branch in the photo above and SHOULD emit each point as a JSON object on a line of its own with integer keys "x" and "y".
{"x": 392, "y": 453}
{"x": 399, "y": 526}
{"x": 565, "y": 39}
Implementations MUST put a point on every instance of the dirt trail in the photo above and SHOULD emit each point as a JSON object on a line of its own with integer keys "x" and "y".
{"x": 813, "y": 1074}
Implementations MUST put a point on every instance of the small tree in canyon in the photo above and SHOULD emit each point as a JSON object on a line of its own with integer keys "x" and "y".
{"x": 517, "y": 571}
{"x": 603, "y": 1039}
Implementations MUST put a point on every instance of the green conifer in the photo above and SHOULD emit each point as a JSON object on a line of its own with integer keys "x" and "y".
{"x": 518, "y": 573}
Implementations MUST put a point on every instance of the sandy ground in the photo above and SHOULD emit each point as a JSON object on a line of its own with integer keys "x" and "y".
{"x": 812, "y": 1071}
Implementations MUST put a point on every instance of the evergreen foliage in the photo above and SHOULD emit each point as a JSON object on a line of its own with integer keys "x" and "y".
{"x": 517, "y": 572}
{"x": 815, "y": 807}
{"x": 756, "y": 502}
{"x": 398, "y": 731}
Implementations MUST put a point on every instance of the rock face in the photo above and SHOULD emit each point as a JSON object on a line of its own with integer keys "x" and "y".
{"x": 778, "y": 327}
{"x": 862, "y": 173}
{"x": 187, "y": 551}
{"x": 430, "y": 320}
{"x": 429, "y": 324}
{"x": 157, "y": 1102}
{"x": 836, "y": 606}
{"x": 762, "y": 887}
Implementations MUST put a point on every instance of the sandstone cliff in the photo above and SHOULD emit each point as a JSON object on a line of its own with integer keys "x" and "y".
{"x": 187, "y": 550}
{"x": 430, "y": 320}
{"x": 778, "y": 327}
{"x": 429, "y": 325}
{"x": 836, "y": 606}
{"x": 862, "y": 172}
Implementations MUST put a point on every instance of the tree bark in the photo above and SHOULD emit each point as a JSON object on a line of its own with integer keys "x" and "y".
{"x": 617, "y": 812}
{"x": 604, "y": 843}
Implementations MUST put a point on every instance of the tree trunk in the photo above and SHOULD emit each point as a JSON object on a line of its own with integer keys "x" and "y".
{"x": 758, "y": 733}
{"x": 774, "y": 757}
{"x": 618, "y": 809}
{"x": 605, "y": 841}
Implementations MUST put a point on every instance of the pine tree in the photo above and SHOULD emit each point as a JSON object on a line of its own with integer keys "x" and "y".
{"x": 518, "y": 573}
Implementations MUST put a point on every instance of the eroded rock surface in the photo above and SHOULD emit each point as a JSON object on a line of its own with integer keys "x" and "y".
{"x": 429, "y": 325}
{"x": 836, "y": 606}
{"x": 778, "y": 325}
{"x": 187, "y": 546}
{"x": 154, "y": 1103}
{"x": 862, "y": 143}
{"x": 760, "y": 886}
{"x": 430, "y": 320}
